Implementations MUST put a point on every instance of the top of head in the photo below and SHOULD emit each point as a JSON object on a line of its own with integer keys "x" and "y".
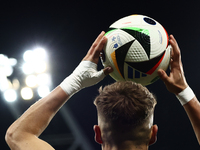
{"x": 137, "y": 47}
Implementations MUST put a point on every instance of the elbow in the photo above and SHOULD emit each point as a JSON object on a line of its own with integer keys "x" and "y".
{"x": 11, "y": 138}
{"x": 8, "y": 137}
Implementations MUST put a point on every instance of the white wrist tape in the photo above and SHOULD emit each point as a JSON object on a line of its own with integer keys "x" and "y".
{"x": 185, "y": 96}
{"x": 84, "y": 75}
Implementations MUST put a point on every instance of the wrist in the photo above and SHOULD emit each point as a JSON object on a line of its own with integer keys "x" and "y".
{"x": 70, "y": 85}
{"x": 185, "y": 96}
{"x": 84, "y": 75}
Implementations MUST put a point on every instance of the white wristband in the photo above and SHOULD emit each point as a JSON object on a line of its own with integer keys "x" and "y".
{"x": 185, "y": 96}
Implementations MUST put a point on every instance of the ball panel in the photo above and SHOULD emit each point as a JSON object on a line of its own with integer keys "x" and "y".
{"x": 120, "y": 55}
{"x": 136, "y": 53}
{"x": 142, "y": 37}
{"x": 147, "y": 66}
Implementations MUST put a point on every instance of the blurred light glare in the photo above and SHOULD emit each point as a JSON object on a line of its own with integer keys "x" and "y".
{"x": 4, "y": 82}
{"x": 43, "y": 91}
{"x": 12, "y": 61}
{"x": 3, "y": 60}
{"x": 26, "y": 93}
{"x": 16, "y": 84}
{"x": 10, "y": 95}
{"x": 40, "y": 67}
{"x": 40, "y": 54}
{"x": 28, "y": 56}
{"x": 43, "y": 79}
{"x": 31, "y": 80}
{"x": 8, "y": 70}
{"x": 27, "y": 68}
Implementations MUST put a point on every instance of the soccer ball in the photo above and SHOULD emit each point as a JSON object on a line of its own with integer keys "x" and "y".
{"x": 137, "y": 47}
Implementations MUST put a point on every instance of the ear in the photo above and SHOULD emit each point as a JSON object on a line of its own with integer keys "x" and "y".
{"x": 154, "y": 132}
{"x": 97, "y": 132}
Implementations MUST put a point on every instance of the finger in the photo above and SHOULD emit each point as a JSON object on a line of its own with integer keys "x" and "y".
{"x": 98, "y": 39}
{"x": 91, "y": 54}
{"x": 175, "y": 48}
{"x": 101, "y": 44}
{"x": 98, "y": 44}
{"x": 107, "y": 70}
{"x": 163, "y": 76}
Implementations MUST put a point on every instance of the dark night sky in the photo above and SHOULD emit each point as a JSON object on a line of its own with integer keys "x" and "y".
{"x": 67, "y": 30}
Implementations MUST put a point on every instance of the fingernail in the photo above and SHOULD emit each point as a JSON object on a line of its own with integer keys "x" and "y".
{"x": 102, "y": 32}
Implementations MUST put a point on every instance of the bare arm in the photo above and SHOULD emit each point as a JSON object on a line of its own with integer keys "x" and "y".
{"x": 23, "y": 133}
{"x": 192, "y": 109}
{"x": 176, "y": 83}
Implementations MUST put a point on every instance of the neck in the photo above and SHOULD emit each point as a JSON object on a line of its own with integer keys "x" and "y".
{"x": 124, "y": 146}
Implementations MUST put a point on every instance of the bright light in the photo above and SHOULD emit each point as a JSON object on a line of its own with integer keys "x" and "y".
{"x": 35, "y": 61}
{"x": 10, "y": 95}
{"x": 3, "y": 59}
{"x": 27, "y": 93}
{"x": 43, "y": 91}
{"x": 28, "y": 56}
{"x": 40, "y": 67}
{"x": 4, "y": 84}
{"x": 37, "y": 67}
{"x": 6, "y": 64}
{"x": 31, "y": 80}
{"x": 40, "y": 54}
{"x": 12, "y": 61}
{"x": 43, "y": 79}
{"x": 8, "y": 70}
{"x": 28, "y": 68}
{"x": 16, "y": 84}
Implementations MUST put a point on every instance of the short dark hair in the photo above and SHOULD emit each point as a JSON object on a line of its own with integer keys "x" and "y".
{"x": 127, "y": 103}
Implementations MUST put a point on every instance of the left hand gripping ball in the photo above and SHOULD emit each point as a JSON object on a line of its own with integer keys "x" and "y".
{"x": 137, "y": 47}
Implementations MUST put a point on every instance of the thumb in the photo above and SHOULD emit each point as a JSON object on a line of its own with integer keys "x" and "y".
{"x": 107, "y": 70}
{"x": 163, "y": 76}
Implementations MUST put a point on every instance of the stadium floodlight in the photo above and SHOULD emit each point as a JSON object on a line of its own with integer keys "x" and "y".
{"x": 43, "y": 79}
{"x": 26, "y": 93}
{"x": 4, "y": 84}
{"x": 40, "y": 54}
{"x": 40, "y": 66}
{"x": 36, "y": 67}
{"x": 12, "y": 61}
{"x": 27, "y": 68}
{"x": 7, "y": 64}
{"x": 15, "y": 84}
{"x": 10, "y": 95}
{"x": 28, "y": 56}
{"x": 6, "y": 70}
{"x": 35, "y": 61}
{"x": 31, "y": 80}
{"x": 43, "y": 90}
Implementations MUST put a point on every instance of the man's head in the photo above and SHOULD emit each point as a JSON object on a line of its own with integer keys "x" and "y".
{"x": 125, "y": 114}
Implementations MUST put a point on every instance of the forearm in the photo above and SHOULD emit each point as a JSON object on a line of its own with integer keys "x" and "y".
{"x": 38, "y": 116}
{"x": 192, "y": 109}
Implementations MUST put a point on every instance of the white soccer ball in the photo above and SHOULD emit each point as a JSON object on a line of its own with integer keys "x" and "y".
{"x": 137, "y": 47}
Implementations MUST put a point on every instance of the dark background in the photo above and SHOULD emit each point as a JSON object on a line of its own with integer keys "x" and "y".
{"x": 68, "y": 28}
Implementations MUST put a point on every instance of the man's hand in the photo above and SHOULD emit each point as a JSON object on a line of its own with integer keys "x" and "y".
{"x": 176, "y": 81}
{"x": 95, "y": 50}
{"x": 86, "y": 74}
